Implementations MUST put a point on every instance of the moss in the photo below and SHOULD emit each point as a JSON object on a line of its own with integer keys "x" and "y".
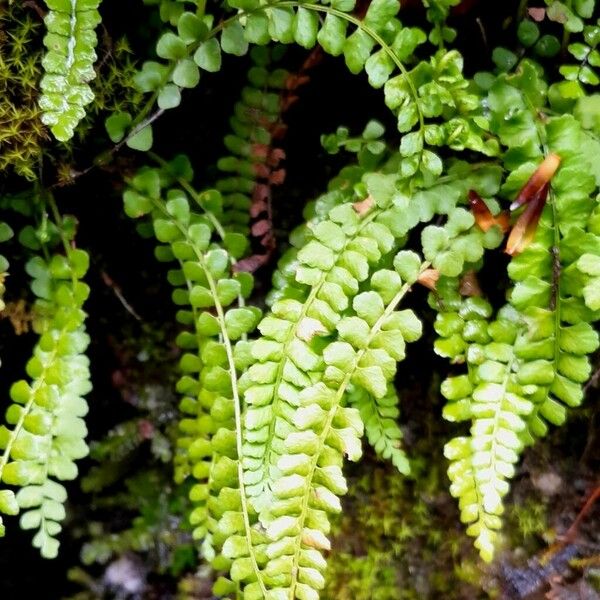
{"x": 398, "y": 540}
{"x": 21, "y": 132}
{"x": 526, "y": 519}
{"x": 135, "y": 512}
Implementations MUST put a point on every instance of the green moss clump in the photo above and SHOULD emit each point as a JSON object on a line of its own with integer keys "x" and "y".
{"x": 398, "y": 540}
{"x": 22, "y": 134}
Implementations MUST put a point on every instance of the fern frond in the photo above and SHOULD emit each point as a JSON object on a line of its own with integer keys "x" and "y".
{"x": 544, "y": 292}
{"x": 526, "y": 367}
{"x": 185, "y": 238}
{"x": 330, "y": 265}
{"x": 320, "y": 431}
{"x": 555, "y": 351}
{"x": 211, "y": 296}
{"x": 491, "y": 397}
{"x": 380, "y": 418}
{"x": 46, "y": 431}
{"x": 68, "y": 63}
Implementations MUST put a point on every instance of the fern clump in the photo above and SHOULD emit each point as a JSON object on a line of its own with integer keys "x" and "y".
{"x": 278, "y": 384}
{"x": 310, "y": 354}
{"x": 378, "y": 44}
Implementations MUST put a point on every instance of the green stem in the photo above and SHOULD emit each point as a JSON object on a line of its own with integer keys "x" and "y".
{"x": 38, "y": 383}
{"x": 566, "y": 34}
{"x": 494, "y": 446}
{"x": 375, "y": 36}
{"x": 61, "y": 230}
{"x": 14, "y": 434}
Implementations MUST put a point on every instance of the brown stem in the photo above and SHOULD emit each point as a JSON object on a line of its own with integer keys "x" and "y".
{"x": 572, "y": 531}
{"x": 36, "y": 7}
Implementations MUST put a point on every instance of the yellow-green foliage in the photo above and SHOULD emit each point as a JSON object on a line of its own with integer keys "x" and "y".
{"x": 45, "y": 431}
{"x": 398, "y": 539}
{"x": 21, "y": 132}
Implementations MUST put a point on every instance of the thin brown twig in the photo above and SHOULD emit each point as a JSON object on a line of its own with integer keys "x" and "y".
{"x": 108, "y": 281}
{"x": 108, "y": 45}
{"x": 36, "y": 7}
{"x": 569, "y": 537}
{"x": 591, "y": 438}
{"x": 102, "y": 159}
